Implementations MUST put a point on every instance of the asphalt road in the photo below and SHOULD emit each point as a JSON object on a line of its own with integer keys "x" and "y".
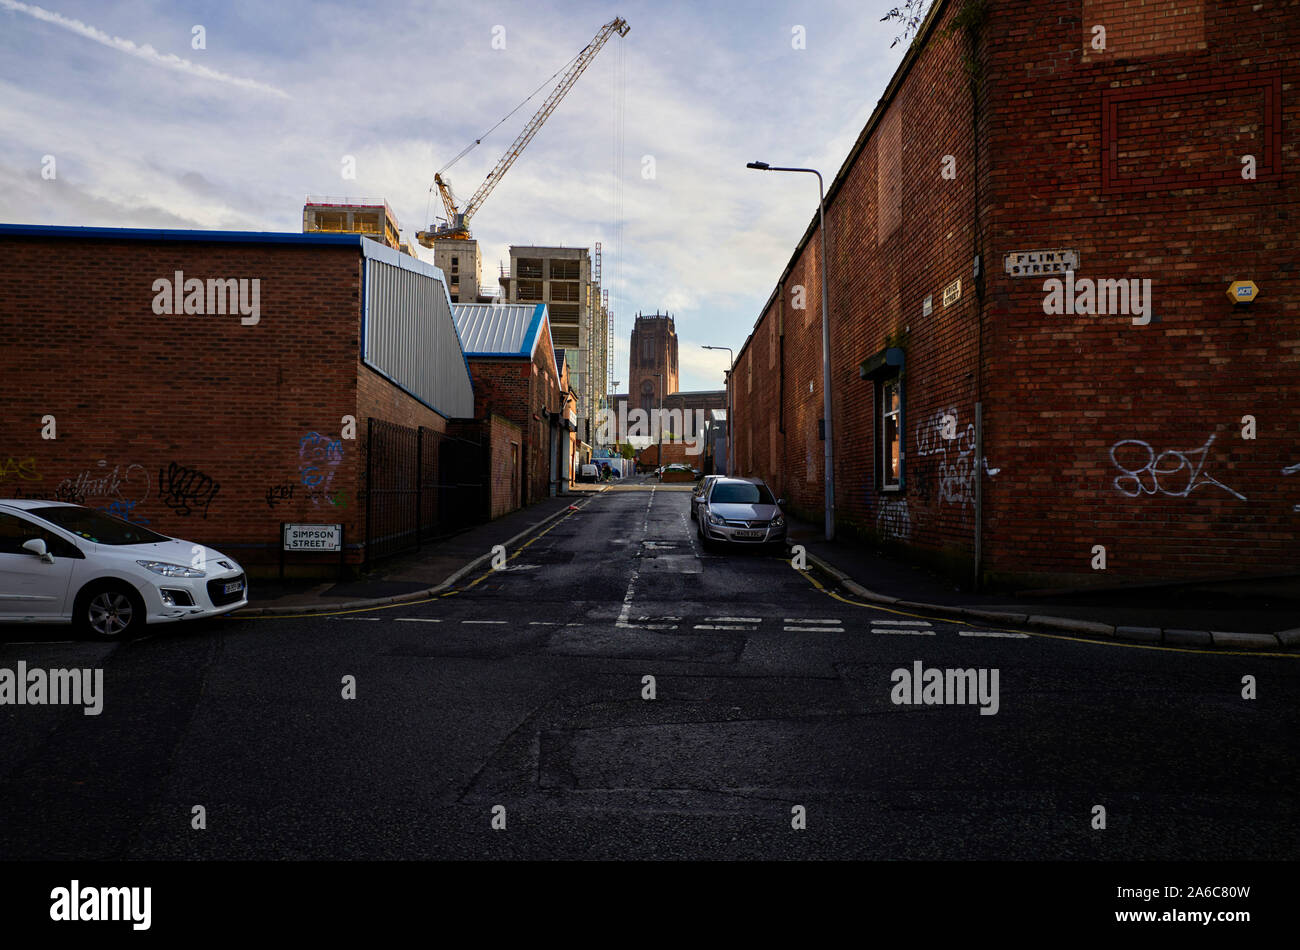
{"x": 526, "y": 690}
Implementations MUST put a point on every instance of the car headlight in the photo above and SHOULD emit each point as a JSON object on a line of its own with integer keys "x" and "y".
{"x": 778, "y": 522}
{"x": 716, "y": 519}
{"x": 170, "y": 570}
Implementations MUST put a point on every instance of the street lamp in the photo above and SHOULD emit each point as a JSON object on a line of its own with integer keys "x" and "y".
{"x": 730, "y": 368}
{"x": 659, "y": 453}
{"x": 826, "y": 342}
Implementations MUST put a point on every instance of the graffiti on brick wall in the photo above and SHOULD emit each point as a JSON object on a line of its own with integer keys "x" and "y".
{"x": 118, "y": 490}
{"x": 185, "y": 490}
{"x": 1170, "y": 472}
{"x": 893, "y": 521}
{"x": 19, "y": 469}
{"x": 1292, "y": 470}
{"x": 319, "y": 457}
{"x": 940, "y": 435}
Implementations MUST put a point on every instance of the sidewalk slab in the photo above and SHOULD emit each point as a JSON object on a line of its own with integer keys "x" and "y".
{"x": 419, "y": 575}
{"x": 1246, "y": 613}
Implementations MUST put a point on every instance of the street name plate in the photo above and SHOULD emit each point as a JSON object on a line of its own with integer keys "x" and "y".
{"x": 1036, "y": 263}
{"x": 313, "y": 537}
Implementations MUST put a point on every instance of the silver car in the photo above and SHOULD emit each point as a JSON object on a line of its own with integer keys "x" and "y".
{"x": 697, "y": 496}
{"x": 742, "y": 510}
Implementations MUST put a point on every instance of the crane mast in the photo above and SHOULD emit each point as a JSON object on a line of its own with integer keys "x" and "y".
{"x": 457, "y": 225}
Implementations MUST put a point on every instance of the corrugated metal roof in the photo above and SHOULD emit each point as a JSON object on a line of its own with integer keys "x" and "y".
{"x": 499, "y": 329}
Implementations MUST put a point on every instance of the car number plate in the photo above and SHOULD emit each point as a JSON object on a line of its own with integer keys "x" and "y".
{"x": 234, "y": 587}
{"x": 747, "y": 534}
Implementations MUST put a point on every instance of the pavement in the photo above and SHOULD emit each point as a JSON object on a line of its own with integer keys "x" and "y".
{"x": 1240, "y": 615}
{"x": 1237, "y": 615}
{"x": 615, "y": 691}
{"x": 435, "y": 568}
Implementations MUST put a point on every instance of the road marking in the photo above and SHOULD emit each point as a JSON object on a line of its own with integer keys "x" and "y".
{"x": 722, "y": 626}
{"x": 813, "y": 630}
{"x": 486, "y": 621}
{"x": 543, "y": 623}
{"x": 904, "y": 632}
{"x": 902, "y": 623}
{"x": 812, "y": 620}
{"x": 416, "y": 620}
{"x": 992, "y": 633}
{"x": 734, "y": 619}
{"x": 355, "y": 618}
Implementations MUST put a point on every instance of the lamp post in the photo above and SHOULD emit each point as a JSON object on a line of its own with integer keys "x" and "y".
{"x": 659, "y": 425}
{"x": 826, "y": 343}
{"x": 730, "y": 368}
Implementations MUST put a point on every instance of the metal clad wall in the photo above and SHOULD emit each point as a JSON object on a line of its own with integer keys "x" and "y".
{"x": 411, "y": 339}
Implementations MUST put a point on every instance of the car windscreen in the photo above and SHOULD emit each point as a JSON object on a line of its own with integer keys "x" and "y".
{"x": 740, "y": 493}
{"x": 95, "y": 526}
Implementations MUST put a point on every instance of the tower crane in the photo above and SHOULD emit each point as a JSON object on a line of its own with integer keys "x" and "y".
{"x": 457, "y": 224}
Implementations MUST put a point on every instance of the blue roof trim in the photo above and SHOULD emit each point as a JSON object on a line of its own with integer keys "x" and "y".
{"x": 538, "y": 313}
{"x": 167, "y": 234}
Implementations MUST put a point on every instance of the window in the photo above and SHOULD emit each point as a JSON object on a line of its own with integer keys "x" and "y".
{"x": 891, "y": 433}
{"x": 15, "y": 532}
{"x": 740, "y": 493}
{"x": 648, "y": 397}
{"x": 647, "y": 349}
{"x": 96, "y": 526}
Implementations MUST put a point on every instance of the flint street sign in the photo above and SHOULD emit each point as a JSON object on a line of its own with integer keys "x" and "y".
{"x": 1242, "y": 291}
{"x": 313, "y": 537}
{"x": 1036, "y": 263}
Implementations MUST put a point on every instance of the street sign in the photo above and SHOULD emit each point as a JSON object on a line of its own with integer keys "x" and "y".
{"x": 1242, "y": 291}
{"x": 313, "y": 537}
{"x": 1045, "y": 261}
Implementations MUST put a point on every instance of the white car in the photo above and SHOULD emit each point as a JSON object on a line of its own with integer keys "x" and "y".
{"x": 61, "y": 562}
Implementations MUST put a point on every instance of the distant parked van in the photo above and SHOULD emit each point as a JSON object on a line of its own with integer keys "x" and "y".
{"x": 588, "y": 473}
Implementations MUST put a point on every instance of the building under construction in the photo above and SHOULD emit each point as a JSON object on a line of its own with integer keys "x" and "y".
{"x": 563, "y": 278}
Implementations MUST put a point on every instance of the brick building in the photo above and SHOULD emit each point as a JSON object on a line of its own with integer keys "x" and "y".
{"x": 517, "y": 377}
{"x": 216, "y": 384}
{"x": 1131, "y": 157}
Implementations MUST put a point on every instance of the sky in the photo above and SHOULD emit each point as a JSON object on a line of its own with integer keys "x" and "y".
{"x": 151, "y": 122}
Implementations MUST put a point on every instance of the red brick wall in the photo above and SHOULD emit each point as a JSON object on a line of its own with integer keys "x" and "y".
{"x": 1135, "y": 163}
{"x": 228, "y": 405}
{"x": 1135, "y": 154}
{"x": 520, "y": 391}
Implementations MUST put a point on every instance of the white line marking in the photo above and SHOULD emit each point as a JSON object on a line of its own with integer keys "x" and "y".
{"x": 812, "y": 620}
{"x": 901, "y": 623}
{"x": 992, "y": 633}
{"x": 358, "y": 618}
{"x": 907, "y": 633}
{"x": 722, "y": 626}
{"x": 543, "y": 623}
{"x": 418, "y": 620}
{"x": 735, "y": 619}
{"x": 486, "y": 621}
{"x": 813, "y": 630}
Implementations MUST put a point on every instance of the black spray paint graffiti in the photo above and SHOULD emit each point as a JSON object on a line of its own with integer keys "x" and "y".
{"x": 117, "y": 492}
{"x": 1171, "y": 472}
{"x": 186, "y": 490}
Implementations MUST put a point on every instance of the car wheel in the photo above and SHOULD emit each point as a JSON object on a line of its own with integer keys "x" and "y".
{"x": 693, "y": 517}
{"x": 109, "y": 611}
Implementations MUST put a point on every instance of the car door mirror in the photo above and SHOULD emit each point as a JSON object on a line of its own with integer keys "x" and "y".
{"x": 37, "y": 547}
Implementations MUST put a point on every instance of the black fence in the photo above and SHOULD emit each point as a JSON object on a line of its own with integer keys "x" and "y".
{"x": 420, "y": 485}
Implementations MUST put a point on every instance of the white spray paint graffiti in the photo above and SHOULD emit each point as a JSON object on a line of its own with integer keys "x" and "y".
{"x": 1292, "y": 470}
{"x": 893, "y": 520}
{"x": 1170, "y": 472}
{"x": 939, "y": 434}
